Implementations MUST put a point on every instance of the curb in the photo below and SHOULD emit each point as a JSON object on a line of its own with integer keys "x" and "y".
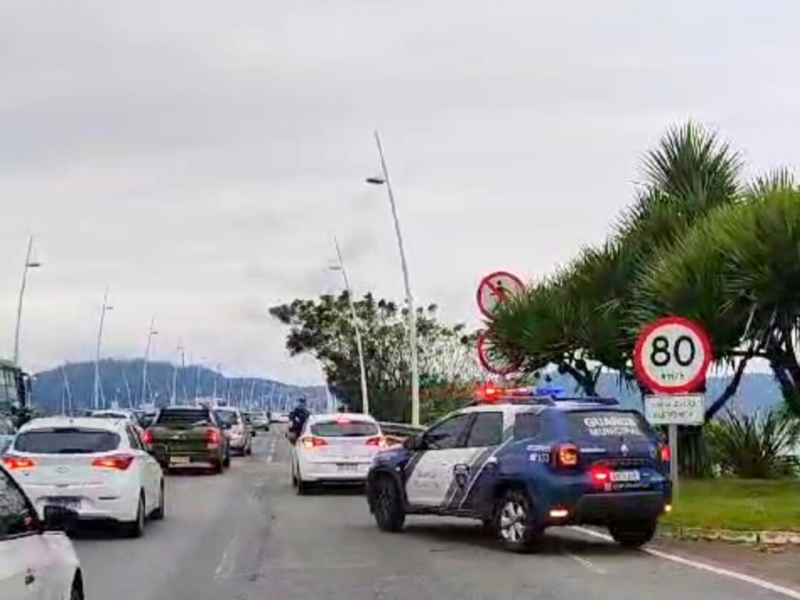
{"x": 772, "y": 538}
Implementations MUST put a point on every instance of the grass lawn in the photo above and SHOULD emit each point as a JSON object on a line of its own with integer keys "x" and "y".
{"x": 743, "y": 504}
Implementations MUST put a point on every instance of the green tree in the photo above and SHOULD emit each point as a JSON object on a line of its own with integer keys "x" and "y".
{"x": 323, "y": 328}
{"x": 581, "y": 318}
{"x": 738, "y": 274}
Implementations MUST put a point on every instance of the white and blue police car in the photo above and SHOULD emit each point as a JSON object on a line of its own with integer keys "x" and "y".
{"x": 521, "y": 462}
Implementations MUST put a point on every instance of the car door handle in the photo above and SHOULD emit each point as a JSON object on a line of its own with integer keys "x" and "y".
{"x": 29, "y": 577}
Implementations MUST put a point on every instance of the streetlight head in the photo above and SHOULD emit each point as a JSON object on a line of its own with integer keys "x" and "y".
{"x": 376, "y": 180}
{"x": 33, "y": 264}
{"x": 335, "y": 268}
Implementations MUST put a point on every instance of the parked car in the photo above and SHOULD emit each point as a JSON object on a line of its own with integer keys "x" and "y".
{"x": 189, "y": 436}
{"x": 97, "y": 468}
{"x": 335, "y": 448}
{"x": 236, "y": 429}
{"x": 37, "y": 560}
{"x": 7, "y": 432}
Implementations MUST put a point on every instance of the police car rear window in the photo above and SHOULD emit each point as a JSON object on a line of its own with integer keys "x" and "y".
{"x": 344, "y": 429}
{"x": 600, "y": 424}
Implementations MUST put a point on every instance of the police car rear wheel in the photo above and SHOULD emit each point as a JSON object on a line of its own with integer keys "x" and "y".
{"x": 634, "y": 534}
{"x": 515, "y": 523}
{"x": 389, "y": 513}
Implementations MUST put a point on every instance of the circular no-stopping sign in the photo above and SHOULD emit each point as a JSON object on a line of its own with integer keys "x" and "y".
{"x": 495, "y": 289}
{"x": 672, "y": 356}
{"x": 493, "y": 360}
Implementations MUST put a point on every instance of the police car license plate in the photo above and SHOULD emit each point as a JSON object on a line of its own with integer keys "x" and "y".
{"x": 347, "y": 467}
{"x": 625, "y": 476}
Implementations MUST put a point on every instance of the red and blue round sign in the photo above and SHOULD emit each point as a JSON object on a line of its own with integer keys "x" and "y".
{"x": 672, "y": 356}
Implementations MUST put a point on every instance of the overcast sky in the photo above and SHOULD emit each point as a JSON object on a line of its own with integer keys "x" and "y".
{"x": 198, "y": 156}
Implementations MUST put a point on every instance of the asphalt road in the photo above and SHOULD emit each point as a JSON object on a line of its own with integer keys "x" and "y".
{"x": 246, "y": 535}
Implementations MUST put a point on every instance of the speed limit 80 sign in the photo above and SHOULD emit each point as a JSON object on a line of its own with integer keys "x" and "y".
{"x": 672, "y": 356}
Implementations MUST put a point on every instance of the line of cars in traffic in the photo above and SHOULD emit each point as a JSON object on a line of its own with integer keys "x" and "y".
{"x": 105, "y": 467}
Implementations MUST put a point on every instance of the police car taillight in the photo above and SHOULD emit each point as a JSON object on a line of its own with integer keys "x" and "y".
{"x": 600, "y": 475}
{"x": 565, "y": 456}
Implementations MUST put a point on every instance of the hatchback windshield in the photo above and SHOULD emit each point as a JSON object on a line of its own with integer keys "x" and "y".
{"x": 344, "y": 429}
{"x": 66, "y": 441}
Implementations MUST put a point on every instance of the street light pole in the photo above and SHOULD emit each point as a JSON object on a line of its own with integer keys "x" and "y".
{"x": 412, "y": 314}
{"x": 96, "y": 389}
{"x": 29, "y": 264}
{"x": 150, "y": 335}
{"x": 357, "y": 329}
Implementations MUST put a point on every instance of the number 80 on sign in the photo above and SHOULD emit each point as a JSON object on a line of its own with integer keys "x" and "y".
{"x": 672, "y": 356}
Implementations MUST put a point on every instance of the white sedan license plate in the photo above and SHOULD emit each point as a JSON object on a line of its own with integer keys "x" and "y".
{"x": 179, "y": 460}
{"x": 68, "y": 503}
{"x": 347, "y": 468}
{"x": 625, "y": 476}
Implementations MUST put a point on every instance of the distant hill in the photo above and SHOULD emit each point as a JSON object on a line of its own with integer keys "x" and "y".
{"x": 122, "y": 386}
{"x": 757, "y": 391}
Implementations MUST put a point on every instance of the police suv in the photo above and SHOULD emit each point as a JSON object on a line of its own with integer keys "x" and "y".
{"x": 521, "y": 462}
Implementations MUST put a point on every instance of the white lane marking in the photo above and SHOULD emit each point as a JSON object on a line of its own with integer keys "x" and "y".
{"x": 767, "y": 585}
{"x": 228, "y": 560}
{"x": 586, "y": 563}
{"x": 269, "y": 458}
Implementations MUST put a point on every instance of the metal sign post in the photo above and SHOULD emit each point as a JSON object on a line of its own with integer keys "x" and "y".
{"x": 672, "y": 433}
{"x": 671, "y": 359}
{"x": 673, "y": 410}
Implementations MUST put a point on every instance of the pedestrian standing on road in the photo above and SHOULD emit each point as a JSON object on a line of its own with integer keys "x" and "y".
{"x": 297, "y": 420}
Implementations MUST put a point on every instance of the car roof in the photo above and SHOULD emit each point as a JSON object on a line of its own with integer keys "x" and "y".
{"x": 187, "y": 407}
{"x": 112, "y": 411}
{"x": 228, "y": 408}
{"x": 77, "y": 422}
{"x": 341, "y": 416}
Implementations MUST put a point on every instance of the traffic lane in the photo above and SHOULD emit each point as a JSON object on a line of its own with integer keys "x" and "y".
{"x": 197, "y": 502}
{"x": 327, "y": 545}
{"x": 257, "y": 539}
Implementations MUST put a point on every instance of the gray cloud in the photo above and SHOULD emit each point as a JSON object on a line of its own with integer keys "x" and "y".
{"x": 199, "y": 157}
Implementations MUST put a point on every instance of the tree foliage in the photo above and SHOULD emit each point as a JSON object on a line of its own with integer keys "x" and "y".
{"x": 581, "y": 319}
{"x": 324, "y": 329}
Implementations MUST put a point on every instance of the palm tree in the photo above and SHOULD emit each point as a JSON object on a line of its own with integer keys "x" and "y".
{"x": 738, "y": 274}
{"x": 582, "y": 316}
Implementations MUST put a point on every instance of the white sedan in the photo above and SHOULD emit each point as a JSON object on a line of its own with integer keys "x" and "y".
{"x": 335, "y": 448}
{"x": 36, "y": 560}
{"x": 97, "y": 468}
